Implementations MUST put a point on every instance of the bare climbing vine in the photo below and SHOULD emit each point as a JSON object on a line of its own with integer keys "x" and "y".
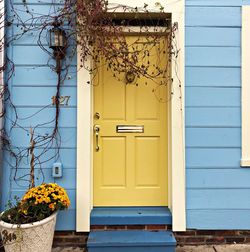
{"x": 98, "y": 31}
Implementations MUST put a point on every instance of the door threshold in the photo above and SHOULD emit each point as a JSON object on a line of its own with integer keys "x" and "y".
{"x": 130, "y": 216}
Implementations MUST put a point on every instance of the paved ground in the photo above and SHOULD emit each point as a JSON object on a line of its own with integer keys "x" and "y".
{"x": 215, "y": 248}
{"x": 67, "y": 250}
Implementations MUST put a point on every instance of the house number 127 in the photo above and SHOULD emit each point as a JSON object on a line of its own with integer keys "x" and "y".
{"x": 63, "y": 100}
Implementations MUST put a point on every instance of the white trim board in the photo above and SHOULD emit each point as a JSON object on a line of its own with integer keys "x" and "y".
{"x": 245, "y": 90}
{"x": 177, "y": 200}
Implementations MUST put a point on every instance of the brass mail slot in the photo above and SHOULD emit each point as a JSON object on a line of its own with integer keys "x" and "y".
{"x": 130, "y": 128}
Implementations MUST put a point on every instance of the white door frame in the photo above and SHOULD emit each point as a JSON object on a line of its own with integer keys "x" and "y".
{"x": 84, "y": 187}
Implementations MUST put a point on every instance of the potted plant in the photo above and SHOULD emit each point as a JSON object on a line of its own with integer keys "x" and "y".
{"x": 29, "y": 225}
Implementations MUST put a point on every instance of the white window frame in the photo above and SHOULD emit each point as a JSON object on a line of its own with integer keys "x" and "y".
{"x": 177, "y": 200}
{"x": 245, "y": 88}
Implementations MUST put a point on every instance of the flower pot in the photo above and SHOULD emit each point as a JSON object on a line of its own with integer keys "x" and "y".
{"x": 32, "y": 237}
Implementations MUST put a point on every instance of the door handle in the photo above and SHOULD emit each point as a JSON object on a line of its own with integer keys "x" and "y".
{"x": 97, "y": 130}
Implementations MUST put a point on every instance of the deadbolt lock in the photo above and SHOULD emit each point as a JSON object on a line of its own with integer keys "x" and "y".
{"x": 97, "y": 115}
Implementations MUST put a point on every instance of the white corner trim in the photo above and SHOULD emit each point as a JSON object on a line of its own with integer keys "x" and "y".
{"x": 245, "y": 89}
{"x": 177, "y": 192}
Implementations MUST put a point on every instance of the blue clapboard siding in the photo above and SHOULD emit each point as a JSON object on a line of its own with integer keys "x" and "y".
{"x": 214, "y": 2}
{"x": 213, "y": 36}
{"x": 38, "y": 57}
{"x": 40, "y": 96}
{"x": 213, "y": 16}
{"x": 36, "y": 11}
{"x": 211, "y": 97}
{"x": 20, "y": 137}
{"x": 217, "y": 187}
{"x": 213, "y": 117}
{"x": 66, "y": 220}
{"x": 227, "y": 3}
{"x": 209, "y": 198}
{"x": 213, "y": 56}
{"x": 29, "y": 55}
{"x": 29, "y": 116}
{"x": 41, "y": 76}
{"x": 213, "y": 137}
{"x": 39, "y": 2}
{"x": 218, "y": 219}
{"x": 40, "y": 177}
{"x": 213, "y": 158}
{"x": 67, "y": 157}
{"x": 213, "y": 76}
{"x": 31, "y": 36}
{"x": 218, "y": 178}
{"x": 36, "y": 2}
{"x": 67, "y": 181}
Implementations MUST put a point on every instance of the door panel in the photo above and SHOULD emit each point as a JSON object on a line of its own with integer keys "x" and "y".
{"x": 114, "y": 108}
{"x": 147, "y": 161}
{"x": 113, "y": 162}
{"x": 146, "y": 108}
{"x": 130, "y": 169}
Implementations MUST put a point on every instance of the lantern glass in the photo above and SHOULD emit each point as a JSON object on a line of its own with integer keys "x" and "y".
{"x": 57, "y": 39}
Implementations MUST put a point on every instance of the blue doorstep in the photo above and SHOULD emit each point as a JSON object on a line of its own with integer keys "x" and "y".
{"x": 131, "y": 241}
{"x": 131, "y": 216}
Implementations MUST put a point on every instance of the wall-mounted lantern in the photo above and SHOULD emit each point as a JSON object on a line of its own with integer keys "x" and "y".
{"x": 57, "y": 40}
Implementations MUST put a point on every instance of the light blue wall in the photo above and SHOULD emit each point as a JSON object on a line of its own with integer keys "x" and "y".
{"x": 32, "y": 88}
{"x": 217, "y": 188}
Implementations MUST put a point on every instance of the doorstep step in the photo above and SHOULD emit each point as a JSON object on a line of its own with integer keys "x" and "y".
{"x": 131, "y": 241}
{"x": 130, "y": 216}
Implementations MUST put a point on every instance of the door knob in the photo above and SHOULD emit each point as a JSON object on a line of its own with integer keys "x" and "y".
{"x": 96, "y": 131}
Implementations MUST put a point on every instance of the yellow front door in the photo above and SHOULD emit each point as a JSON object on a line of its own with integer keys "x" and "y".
{"x": 130, "y": 169}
